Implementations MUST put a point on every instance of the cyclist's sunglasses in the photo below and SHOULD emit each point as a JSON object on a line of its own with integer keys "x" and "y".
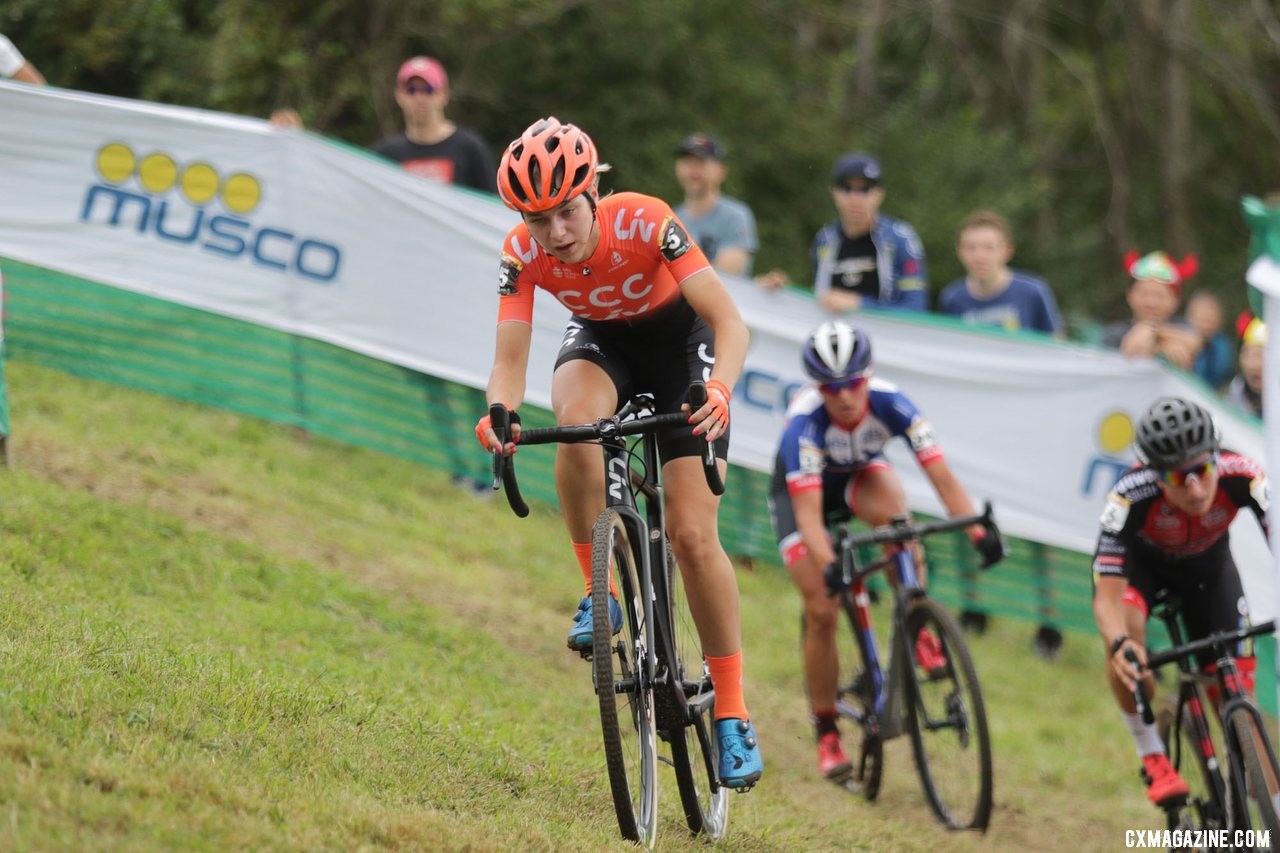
{"x": 1201, "y": 470}
{"x": 413, "y": 88}
{"x": 843, "y": 385}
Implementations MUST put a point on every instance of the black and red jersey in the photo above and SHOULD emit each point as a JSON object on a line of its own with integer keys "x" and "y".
{"x": 1140, "y": 523}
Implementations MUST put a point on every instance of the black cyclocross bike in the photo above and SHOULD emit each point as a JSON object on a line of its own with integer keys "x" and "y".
{"x": 1239, "y": 790}
{"x": 650, "y": 679}
{"x": 940, "y": 707}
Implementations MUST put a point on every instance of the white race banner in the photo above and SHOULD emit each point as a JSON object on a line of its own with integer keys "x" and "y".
{"x": 289, "y": 230}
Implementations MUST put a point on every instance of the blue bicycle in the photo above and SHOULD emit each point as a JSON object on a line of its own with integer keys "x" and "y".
{"x": 935, "y": 697}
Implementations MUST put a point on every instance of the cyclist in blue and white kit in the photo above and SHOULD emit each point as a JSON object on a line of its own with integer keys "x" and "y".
{"x": 831, "y": 460}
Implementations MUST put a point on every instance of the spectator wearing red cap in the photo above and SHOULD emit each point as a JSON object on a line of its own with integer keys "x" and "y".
{"x": 433, "y": 146}
{"x": 1155, "y": 289}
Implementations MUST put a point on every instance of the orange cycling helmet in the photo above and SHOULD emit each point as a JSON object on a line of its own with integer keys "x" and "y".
{"x": 549, "y": 164}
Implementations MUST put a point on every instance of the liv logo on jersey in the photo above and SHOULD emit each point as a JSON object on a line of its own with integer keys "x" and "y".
{"x": 189, "y": 217}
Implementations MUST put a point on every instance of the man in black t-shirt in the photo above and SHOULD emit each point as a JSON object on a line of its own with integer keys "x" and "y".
{"x": 864, "y": 258}
{"x": 432, "y": 146}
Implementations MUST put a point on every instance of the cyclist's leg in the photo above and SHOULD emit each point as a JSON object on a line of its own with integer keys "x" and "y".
{"x": 821, "y": 620}
{"x": 712, "y": 592}
{"x": 1214, "y": 601}
{"x": 583, "y": 388}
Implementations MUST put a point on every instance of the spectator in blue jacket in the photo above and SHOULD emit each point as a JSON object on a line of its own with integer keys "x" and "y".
{"x": 991, "y": 293}
{"x": 865, "y": 259}
{"x": 1216, "y": 360}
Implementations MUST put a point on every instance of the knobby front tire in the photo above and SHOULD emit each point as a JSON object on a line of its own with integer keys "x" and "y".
{"x": 693, "y": 747}
{"x": 618, "y": 665}
{"x": 1262, "y": 777}
{"x": 948, "y": 723}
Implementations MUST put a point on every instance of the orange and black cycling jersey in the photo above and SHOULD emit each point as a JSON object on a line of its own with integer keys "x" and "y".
{"x": 643, "y": 257}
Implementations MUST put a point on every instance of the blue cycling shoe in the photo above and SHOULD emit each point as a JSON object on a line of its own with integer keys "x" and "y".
{"x": 580, "y": 635}
{"x": 740, "y": 761}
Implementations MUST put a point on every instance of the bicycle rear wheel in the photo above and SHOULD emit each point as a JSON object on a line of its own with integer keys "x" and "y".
{"x": 693, "y": 747}
{"x": 620, "y": 670}
{"x": 948, "y": 722}
{"x": 1262, "y": 776}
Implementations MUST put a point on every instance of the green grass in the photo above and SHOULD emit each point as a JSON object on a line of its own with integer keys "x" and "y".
{"x": 216, "y": 634}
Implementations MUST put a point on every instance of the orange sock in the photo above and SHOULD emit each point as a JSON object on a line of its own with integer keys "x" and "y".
{"x": 582, "y": 550}
{"x": 726, "y": 678}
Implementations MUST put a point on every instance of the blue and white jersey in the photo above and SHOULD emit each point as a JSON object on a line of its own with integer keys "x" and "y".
{"x": 814, "y": 446}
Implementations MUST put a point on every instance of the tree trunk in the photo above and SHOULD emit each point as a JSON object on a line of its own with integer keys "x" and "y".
{"x": 1175, "y": 141}
{"x": 871, "y": 16}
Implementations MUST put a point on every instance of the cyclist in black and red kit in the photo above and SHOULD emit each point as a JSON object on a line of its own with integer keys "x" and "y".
{"x": 1165, "y": 527}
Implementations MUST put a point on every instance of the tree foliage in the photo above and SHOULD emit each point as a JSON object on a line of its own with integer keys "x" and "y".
{"x": 1096, "y": 126}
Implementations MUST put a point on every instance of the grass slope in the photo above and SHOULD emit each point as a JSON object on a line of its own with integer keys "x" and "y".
{"x": 217, "y": 635}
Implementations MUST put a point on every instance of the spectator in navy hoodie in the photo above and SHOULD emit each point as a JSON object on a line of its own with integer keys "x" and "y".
{"x": 991, "y": 293}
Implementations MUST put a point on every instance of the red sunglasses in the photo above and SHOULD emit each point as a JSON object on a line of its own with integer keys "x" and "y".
{"x": 843, "y": 385}
{"x": 1201, "y": 471}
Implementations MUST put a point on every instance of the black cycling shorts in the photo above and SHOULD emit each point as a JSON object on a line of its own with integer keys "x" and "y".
{"x": 1210, "y": 590}
{"x": 659, "y": 354}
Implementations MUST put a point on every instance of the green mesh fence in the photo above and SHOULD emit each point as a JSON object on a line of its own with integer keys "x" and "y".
{"x": 104, "y": 333}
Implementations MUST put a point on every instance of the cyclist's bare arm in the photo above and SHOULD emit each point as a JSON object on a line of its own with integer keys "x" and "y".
{"x": 510, "y": 365}
{"x": 951, "y": 492}
{"x": 708, "y": 296}
{"x": 1109, "y": 615}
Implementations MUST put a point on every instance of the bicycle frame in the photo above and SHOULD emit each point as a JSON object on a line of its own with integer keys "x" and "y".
{"x": 1228, "y": 794}
{"x": 888, "y": 693}
{"x": 674, "y": 710}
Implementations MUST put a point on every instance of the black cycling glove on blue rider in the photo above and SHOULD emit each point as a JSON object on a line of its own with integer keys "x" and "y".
{"x": 991, "y": 547}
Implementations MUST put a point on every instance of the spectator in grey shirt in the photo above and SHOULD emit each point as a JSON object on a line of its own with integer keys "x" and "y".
{"x": 724, "y": 228}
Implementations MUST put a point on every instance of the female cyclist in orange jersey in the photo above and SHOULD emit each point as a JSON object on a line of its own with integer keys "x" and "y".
{"x": 650, "y": 315}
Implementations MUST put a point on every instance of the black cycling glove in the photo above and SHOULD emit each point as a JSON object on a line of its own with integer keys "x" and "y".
{"x": 991, "y": 547}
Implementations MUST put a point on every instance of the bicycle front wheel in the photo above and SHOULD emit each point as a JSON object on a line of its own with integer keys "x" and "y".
{"x": 947, "y": 719}
{"x": 693, "y": 747}
{"x": 1262, "y": 776}
{"x": 620, "y": 667}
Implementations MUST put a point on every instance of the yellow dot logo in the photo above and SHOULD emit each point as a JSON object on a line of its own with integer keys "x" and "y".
{"x": 199, "y": 183}
{"x": 158, "y": 173}
{"x": 241, "y": 192}
{"x": 1115, "y": 432}
{"x": 115, "y": 163}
